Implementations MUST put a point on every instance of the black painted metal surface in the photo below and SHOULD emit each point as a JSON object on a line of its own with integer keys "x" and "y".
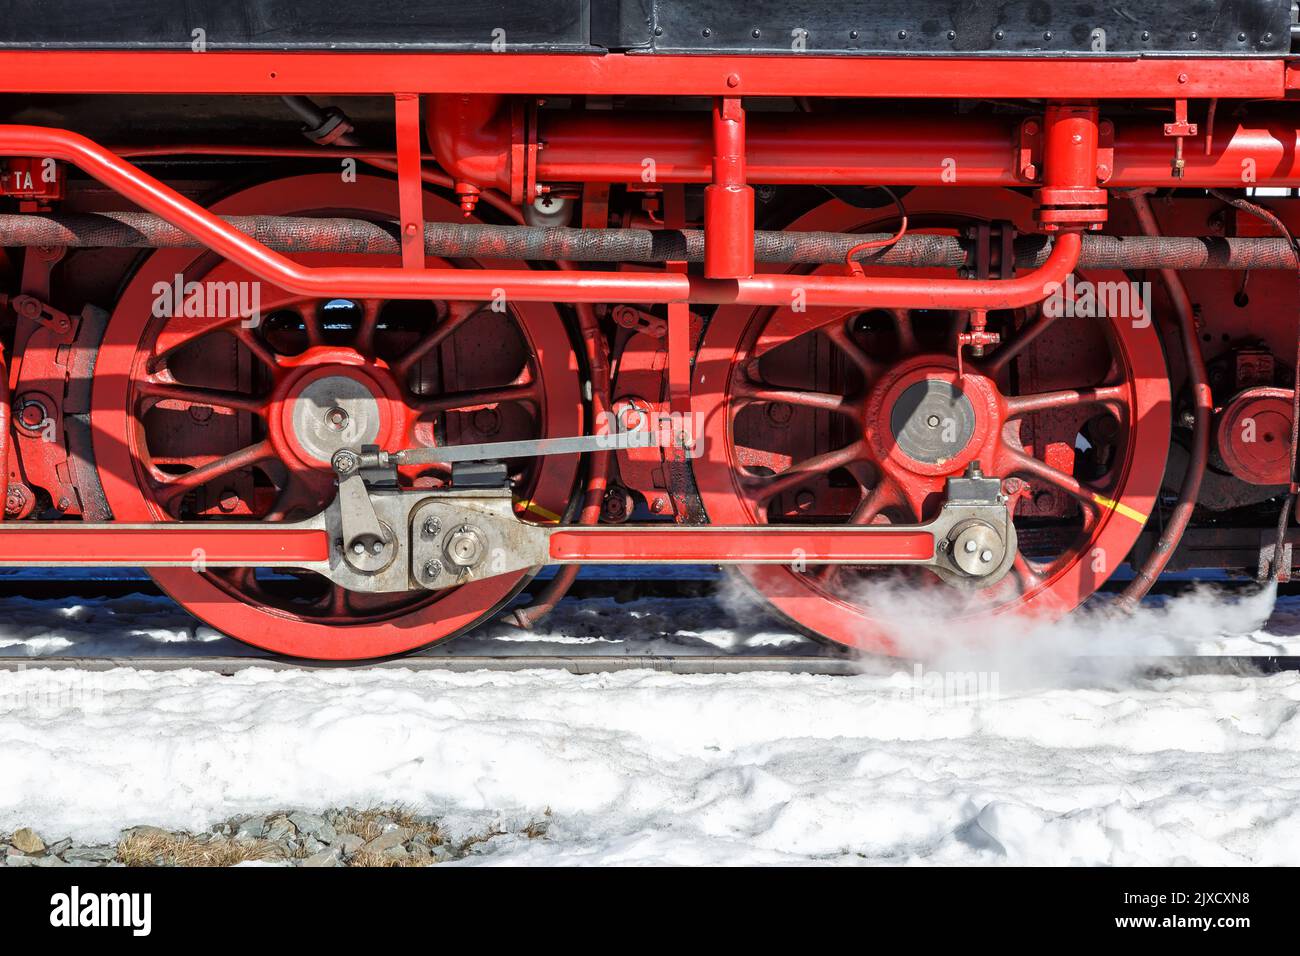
{"x": 779, "y": 27}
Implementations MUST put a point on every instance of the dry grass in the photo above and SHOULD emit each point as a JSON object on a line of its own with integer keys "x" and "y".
{"x": 536, "y": 829}
{"x": 368, "y": 858}
{"x": 152, "y": 847}
{"x": 157, "y": 849}
{"x": 370, "y": 823}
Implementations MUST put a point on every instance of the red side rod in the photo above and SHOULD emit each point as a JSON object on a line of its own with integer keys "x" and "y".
{"x": 757, "y": 545}
{"x": 33, "y": 544}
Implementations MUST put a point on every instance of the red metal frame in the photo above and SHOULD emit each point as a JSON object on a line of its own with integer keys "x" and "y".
{"x": 617, "y": 74}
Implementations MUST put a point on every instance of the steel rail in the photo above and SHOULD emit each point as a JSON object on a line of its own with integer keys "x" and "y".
{"x": 812, "y": 665}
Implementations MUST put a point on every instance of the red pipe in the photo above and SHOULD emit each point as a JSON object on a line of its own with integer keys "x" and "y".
{"x": 593, "y": 500}
{"x": 1202, "y": 409}
{"x": 728, "y": 200}
{"x": 835, "y": 148}
{"x": 5, "y": 418}
{"x": 527, "y": 285}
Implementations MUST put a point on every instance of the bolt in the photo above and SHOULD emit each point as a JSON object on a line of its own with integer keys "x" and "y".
{"x": 733, "y": 79}
{"x": 228, "y": 501}
{"x": 433, "y": 569}
{"x": 487, "y": 421}
{"x": 377, "y": 547}
{"x": 358, "y": 547}
{"x": 337, "y": 418}
{"x": 986, "y": 555}
{"x": 933, "y": 421}
{"x": 432, "y": 526}
{"x": 32, "y": 414}
{"x": 970, "y": 545}
{"x": 780, "y": 413}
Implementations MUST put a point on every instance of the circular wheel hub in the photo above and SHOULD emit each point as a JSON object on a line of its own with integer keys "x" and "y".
{"x": 932, "y": 421}
{"x": 333, "y": 399}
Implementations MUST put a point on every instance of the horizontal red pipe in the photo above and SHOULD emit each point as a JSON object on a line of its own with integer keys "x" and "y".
{"x": 738, "y": 545}
{"x": 471, "y": 139}
{"x": 325, "y": 72}
{"x": 522, "y": 284}
{"x": 26, "y": 544}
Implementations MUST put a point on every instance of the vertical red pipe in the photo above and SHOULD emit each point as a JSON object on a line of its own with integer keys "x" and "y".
{"x": 1202, "y": 409}
{"x": 728, "y": 201}
{"x": 4, "y": 430}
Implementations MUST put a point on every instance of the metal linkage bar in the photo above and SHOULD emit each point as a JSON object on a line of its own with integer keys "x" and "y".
{"x": 165, "y": 544}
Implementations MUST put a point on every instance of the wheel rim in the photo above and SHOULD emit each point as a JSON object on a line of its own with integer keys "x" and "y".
{"x": 832, "y": 427}
{"x": 203, "y": 419}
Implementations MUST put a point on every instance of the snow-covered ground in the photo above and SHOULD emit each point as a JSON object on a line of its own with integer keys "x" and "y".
{"x": 1029, "y": 745}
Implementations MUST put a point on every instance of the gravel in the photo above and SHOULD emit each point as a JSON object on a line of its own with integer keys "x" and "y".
{"x": 345, "y": 837}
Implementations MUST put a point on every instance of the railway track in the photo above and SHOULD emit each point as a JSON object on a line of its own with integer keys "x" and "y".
{"x": 690, "y": 664}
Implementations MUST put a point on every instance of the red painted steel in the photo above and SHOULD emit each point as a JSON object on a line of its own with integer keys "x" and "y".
{"x": 279, "y": 73}
{"x": 522, "y": 285}
{"x": 410, "y": 188}
{"x": 473, "y": 351}
{"x": 728, "y": 200}
{"x": 471, "y": 137}
{"x": 90, "y": 545}
{"x": 705, "y": 545}
{"x": 784, "y": 436}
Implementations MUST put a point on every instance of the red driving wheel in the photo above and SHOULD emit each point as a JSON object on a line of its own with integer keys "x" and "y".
{"x": 863, "y": 420}
{"x": 210, "y": 417}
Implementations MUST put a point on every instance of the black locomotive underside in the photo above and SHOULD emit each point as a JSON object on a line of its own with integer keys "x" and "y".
{"x": 879, "y": 27}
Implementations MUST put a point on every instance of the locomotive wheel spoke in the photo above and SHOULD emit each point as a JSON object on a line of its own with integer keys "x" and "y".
{"x": 458, "y": 313}
{"x": 366, "y": 328}
{"x": 256, "y": 347}
{"x": 874, "y": 502}
{"x": 199, "y": 395}
{"x": 905, "y": 331}
{"x": 529, "y": 393}
{"x": 1028, "y": 464}
{"x": 840, "y": 337}
{"x": 747, "y": 392}
{"x": 313, "y": 324}
{"x": 997, "y": 363}
{"x": 1025, "y": 573}
{"x": 767, "y": 487}
{"x": 1017, "y": 405}
{"x": 245, "y": 457}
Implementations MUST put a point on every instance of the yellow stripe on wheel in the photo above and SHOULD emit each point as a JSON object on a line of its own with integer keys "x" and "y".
{"x": 1120, "y": 508}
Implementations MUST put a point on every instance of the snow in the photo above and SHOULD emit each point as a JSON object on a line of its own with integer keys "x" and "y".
{"x": 1047, "y": 745}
